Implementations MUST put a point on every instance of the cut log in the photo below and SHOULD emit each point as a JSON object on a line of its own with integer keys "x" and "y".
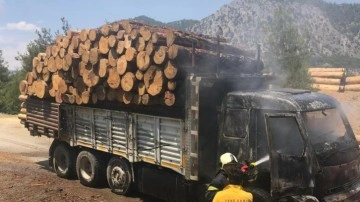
{"x": 35, "y": 62}
{"x": 171, "y": 85}
{"x": 112, "y": 41}
{"x": 321, "y": 80}
{"x": 46, "y": 74}
{"x": 170, "y": 38}
{"x": 149, "y": 48}
{"x": 94, "y": 98}
{"x": 40, "y": 88}
{"x": 352, "y": 80}
{"x": 85, "y": 57}
{"x": 325, "y": 69}
{"x": 114, "y": 78}
{"x": 115, "y": 27}
{"x": 74, "y": 45}
{"x": 100, "y": 92}
{"x": 93, "y": 56}
{"x": 173, "y": 51}
{"x": 113, "y": 57}
{"x": 87, "y": 44}
{"x": 52, "y": 65}
{"x": 127, "y": 97}
{"x": 142, "y": 61}
{"x": 103, "y": 67}
{"x": 59, "y": 62}
{"x": 120, "y": 35}
{"x": 105, "y": 30}
{"x": 48, "y": 51}
{"x": 84, "y": 33}
{"x": 153, "y": 79}
{"x": 23, "y": 98}
{"x": 128, "y": 81}
{"x": 58, "y": 83}
{"x": 121, "y": 65}
{"x": 327, "y": 87}
{"x": 119, "y": 95}
{"x": 65, "y": 42}
{"x": 352, "y": 87}
{"x": 160, "y": 55}
{"x": 22, "y": 116}
{"x": 328, "y": 74}
{"x": 120, "y": 47}
{"x": 90, "y": 78}
{"x": 130, "y": 54}
{"x": 85, "y": 97}
{"x": 127, "y": 41}
{"x": 23, "y": 87}
{"x": 93, "y": 34}
{"x": 110, "y": 95}
{"x": 68, "y": 98}
{"x": 127, "y": 26}
{"x": 139, "y": 75}
{"x": 54, "y": 50}
{"x": 145, "y": 33}
{"x": 23, "y": 110}
{"x": 104, "y": 45}
{"x": 140, "y": 44}
{"x": 58, "y": 40}
{"x": 134, "y": 34}
{"x": 141, "y": 88}
{"x": 169, "y": 98}
{"x": 137, "y": 99}
{"x": 170, "y": 70}
{"x": 39, "y": 67}
{"x": 29, "y": 78}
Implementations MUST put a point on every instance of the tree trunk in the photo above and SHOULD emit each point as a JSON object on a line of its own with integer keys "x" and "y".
{"x": 328, "y": 74}
{"x": 320, "y": 80}
{"x": 352, "y": 87}
{"x": 327, "y": 87}
{"x": 153, "y": 79}
{"x": 352, "y": 80}
{"x": 325, "y": 69}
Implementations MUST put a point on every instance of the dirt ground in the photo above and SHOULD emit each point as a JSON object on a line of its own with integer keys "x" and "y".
{"x": 25, "y": 175}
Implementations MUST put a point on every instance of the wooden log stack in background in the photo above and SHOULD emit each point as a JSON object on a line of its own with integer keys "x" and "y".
{"x": 124, "y": 61}
{"x": 335, "y": 79}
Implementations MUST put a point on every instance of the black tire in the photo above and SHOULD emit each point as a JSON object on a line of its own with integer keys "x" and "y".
{"x": 63, "y": 161}
{"x": 88, "y": 169}
{"x": 259, "y": 195}
{"x": 119, "y": 176}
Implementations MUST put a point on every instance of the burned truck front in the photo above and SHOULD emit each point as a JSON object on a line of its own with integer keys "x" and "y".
{"x": 312, "y": 151}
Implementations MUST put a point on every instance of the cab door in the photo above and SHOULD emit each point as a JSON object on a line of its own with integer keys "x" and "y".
{"x": 290, "y": 166}
{"x": 234, "y": 133}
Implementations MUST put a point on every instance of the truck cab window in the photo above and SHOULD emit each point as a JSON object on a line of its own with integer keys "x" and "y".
{"x": 285, "y": 135}
{"x": 236, "y": 123}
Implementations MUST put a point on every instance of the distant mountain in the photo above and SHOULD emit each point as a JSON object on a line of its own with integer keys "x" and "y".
{"x": 179, "y": 24}
{"x": 333, "y": 28}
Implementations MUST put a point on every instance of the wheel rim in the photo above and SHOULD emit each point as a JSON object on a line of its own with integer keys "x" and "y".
{"x": 118, "y": 177}
{"x": 85, "y": 168}
{"x": 61, "y": 162}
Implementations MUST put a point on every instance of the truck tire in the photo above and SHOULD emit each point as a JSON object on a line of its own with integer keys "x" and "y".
{"x": 88, "y": 168}
{"x": 119, "y": 176}
{"x": 259, "y": 195}
{"x": 64, "y": 161}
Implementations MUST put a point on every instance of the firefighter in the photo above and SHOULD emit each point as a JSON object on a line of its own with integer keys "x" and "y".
{"x": 220, "y": 179}
{"x": 234, "y": 190}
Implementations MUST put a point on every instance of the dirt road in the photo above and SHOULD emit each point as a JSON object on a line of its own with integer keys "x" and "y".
{"x": 26, "y": 176}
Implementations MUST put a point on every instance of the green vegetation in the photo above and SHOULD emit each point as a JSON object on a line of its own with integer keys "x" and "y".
{"x": 179, "y": 25}
{"x": 289, "y": 51}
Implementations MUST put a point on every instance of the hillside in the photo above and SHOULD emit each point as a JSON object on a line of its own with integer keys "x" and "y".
{"x": 333, "y": 28}
{"x": 179, "y": 24}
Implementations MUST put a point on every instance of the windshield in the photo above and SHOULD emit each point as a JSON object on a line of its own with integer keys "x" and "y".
{"x": 329, "y": 137}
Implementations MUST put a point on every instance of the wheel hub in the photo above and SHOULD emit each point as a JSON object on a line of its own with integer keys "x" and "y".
{"x": 118, "y": 176}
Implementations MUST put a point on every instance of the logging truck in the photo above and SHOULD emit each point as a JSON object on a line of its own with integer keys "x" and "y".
{"x": 162, "y": 128}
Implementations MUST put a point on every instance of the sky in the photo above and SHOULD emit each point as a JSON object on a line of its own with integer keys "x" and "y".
{"x": 20, "y": 18}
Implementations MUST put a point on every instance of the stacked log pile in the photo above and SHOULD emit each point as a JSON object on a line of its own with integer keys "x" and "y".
{"x": 325, "y": 78}
{"x": 124, "y": 61}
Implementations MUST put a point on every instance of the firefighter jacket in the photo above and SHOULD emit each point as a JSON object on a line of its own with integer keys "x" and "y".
{"x": 217, "y": 184}
{"x": 233, "y": 193}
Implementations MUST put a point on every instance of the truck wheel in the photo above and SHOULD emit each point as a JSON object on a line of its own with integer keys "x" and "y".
{"x": 88, "y": 169}
{"x": 259, "y": 195}
{"x": 119, "y": 176}
{"x": 63, "y": 161}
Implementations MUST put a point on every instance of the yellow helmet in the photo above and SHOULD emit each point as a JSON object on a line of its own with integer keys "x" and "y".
{"x": 227, "y": 158}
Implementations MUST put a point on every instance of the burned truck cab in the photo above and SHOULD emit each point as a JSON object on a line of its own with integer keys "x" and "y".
{"x": 308, "y": 148}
